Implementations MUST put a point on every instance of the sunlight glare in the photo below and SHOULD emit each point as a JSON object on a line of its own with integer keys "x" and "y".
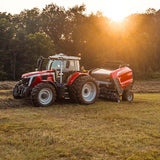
{"x": 115, "y": 10}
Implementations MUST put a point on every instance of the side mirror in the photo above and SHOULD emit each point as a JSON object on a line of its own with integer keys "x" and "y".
{"x": 38, "y": 62}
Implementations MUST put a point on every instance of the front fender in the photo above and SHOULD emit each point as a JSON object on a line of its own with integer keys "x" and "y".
{"x": 74, "y": 76}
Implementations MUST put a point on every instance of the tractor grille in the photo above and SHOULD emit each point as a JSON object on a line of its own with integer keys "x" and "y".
{"x": 25, "y": 81}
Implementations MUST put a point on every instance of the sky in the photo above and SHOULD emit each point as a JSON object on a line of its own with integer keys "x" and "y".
{"x": 115, "y": 9}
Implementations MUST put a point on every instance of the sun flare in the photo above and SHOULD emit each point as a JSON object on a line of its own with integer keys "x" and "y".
{"x": 115, "y": 10}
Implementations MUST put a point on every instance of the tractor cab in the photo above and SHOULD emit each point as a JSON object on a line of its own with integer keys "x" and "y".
{"x": 63, "y": 65}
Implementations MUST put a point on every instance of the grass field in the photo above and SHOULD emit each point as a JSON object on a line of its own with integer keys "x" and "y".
{"x": 66, "y": 131}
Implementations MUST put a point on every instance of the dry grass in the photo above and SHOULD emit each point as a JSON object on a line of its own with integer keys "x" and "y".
{"x": 147, "y": 86}
{"x": 7, "y": 85}
{"x": 65, "y": 131}
{"x": 139, "y": 86}
{"x": 104, "y": 130}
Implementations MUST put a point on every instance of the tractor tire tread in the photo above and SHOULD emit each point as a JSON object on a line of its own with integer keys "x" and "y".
{"x": 15, "y": 95}
{"x": 35, "y": 91}
{"x": 125, "y": 95}
{"x": 76, "y": 87}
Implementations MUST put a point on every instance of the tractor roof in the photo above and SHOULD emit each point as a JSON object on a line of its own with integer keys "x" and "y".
{"x": 61, "y": 56}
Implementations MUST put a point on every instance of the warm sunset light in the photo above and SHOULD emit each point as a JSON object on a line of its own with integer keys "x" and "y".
{"x": 115, "y": 10}
{"x": 79, "y": 79}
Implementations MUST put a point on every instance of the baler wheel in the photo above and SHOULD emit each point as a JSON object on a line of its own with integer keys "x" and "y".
{"x": 43, "y": 94}
{"x": 84, "y": 90}
{"x": 128, "y": 96}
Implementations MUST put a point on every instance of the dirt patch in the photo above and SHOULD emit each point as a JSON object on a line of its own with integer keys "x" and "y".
{"x": 147, "y": 87}
{"x": 9, "y": 102}
{"x": 6, "y": 98}
{"x": 7, "y": 85}
{"x": 6, "y": 92}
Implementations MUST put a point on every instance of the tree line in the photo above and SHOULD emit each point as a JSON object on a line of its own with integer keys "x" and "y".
{"x": 33, "y": 33}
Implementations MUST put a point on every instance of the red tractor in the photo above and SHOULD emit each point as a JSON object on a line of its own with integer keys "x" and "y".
{"x": 63, "y": 79}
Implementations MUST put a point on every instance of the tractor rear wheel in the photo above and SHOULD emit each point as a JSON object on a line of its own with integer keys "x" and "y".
{"x": 43, "y": 94}
{"x": 84, "y": 90}
{"x": 127, "y": 96}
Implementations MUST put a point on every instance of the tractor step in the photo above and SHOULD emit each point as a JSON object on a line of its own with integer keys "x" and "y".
{"x": 66, "y": 93}
{"x": 63, "y": 92}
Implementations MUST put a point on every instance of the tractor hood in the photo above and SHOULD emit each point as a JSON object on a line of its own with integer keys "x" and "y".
{"x": 37, "y": 73}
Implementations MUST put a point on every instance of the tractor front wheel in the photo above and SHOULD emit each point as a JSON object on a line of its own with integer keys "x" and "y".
{"x": 43, "y": 94}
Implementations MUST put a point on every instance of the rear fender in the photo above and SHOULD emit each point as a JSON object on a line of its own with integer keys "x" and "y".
{"x": 74, "y": 76}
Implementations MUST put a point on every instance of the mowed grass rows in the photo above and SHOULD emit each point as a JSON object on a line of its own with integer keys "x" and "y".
{"x": 66, "y": 131}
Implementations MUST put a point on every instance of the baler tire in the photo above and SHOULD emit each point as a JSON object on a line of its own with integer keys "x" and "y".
{"x": 41, "y": 89}
{"x": 76, "y": 90}
{"x": 128, "y": 96}
{"x": 15, "y": 89}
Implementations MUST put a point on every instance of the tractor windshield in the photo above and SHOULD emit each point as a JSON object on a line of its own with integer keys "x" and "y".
{"x": 53, "y": 65}
{"x": 56, "y": 64}
{"x": 67, "y": 65}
